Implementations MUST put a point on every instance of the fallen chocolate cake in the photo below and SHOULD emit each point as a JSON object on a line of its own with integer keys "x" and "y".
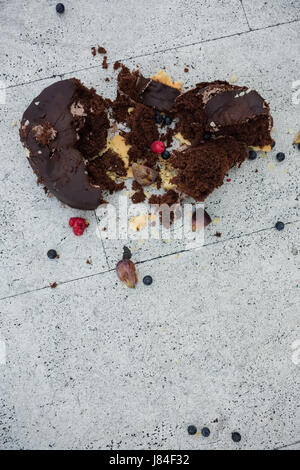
{"x": 64, "y": 127}
{"x": 219, "y": 108}
{"x": 65, "y": 130}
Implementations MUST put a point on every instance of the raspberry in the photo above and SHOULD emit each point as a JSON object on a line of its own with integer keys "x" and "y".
{"x": 157, "y": 146}
{"x": 78, "y": 224}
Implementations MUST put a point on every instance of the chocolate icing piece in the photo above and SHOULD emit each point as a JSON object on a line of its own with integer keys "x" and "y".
{"x": 230, "y": 107}
{"x": 159, "y": 96}
{"x": 145, "y": 90}
{"x": 51, "y": 130}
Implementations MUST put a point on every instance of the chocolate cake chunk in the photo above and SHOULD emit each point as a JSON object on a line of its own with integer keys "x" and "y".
{"x": 224, "y": 109}
{"x": 202, "y": 169}
{"x": 147, "y": 91}
{"x": 62, "y": 128}
{"x": 159, "y": 96}
{"x": 143, "y": 131}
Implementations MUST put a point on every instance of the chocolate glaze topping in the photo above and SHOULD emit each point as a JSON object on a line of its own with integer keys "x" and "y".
{"x": 159, "y": 96}
{"x": 50, "y": 132}
{"x": 230, "y": 107}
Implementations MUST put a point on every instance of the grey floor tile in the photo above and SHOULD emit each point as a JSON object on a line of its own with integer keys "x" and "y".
{"x": 268, "y": 12}
{"x": 48, "y": 43}
{"x": 95, "y": 365}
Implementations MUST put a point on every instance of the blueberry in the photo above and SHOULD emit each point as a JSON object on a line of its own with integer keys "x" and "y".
{"x": 52, "y": 254}
{"x": 273, "y": 144}
{"x": 147, "y": 280}
{"x": 167, "y": 121}
{"x": 192, "y": 429}
{"x": 280, "y": 156}
{"x": 279, "y": 225}
{"x": 60, "y": 8}
{"x": 158, "y": 117}
{"x": 252, "y": 155}
{"x": 166, "y": 155}
{"x": 205, "y": 432}
{"x": 236, "y": 437}
{"x": 206, "y": 136}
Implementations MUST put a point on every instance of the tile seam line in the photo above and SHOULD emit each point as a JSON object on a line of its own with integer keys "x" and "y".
{"x": 100, "y": 273}
{"x": 62, "y": 74}
{"x": 243, "y": 8}
{"x": 286, "y": 445}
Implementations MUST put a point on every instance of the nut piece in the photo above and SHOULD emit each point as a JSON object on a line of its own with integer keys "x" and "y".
{"x": 200, "y": 219}
{"x": 127, "y": 273}
{"x": 143, "y": 174}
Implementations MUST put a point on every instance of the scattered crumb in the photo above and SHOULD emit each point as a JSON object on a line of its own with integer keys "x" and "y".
{"x": 218, "y": 234}
{"x": 107, "y": 79}
{"x": 297, "y": 139}
{"x": 233, "y": 78}
{"x": 162, "y": 77}
{"x": 104, "y": 63}
{"x": 94, "y": 52}
{"x": 291, "y": 131}
{"x": 117, "y": 65}
{"x": 186, "y": 70}
{"x": 182, "y": 140}
{"x": 138, "y": 222}
{"x": 89, "y": 261}
{"x": 14, "y": 124}
{"x": 216, "y": 220}
{"x": 53, "y": 285}
{"x": 176, "y": 256}
{"x": 101, "y": 50}
{"x": 271, "y": 166}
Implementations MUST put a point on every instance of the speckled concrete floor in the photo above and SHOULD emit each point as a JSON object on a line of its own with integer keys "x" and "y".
{"x": 215, "y": 340}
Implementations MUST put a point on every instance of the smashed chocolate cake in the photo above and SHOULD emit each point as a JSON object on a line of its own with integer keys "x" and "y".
{"x": 77, "y": 153}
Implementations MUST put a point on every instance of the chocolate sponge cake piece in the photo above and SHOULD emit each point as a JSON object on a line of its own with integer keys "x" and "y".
{"x": 64, "y": 127}
{"x": 146, "y": 90}
{"x": 202, "y": 169}
{"x": 220, "y": 109}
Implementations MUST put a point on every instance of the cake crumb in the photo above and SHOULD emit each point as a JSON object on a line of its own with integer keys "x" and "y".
{"x": 186, "y": 69}
{"x": 107, "y": 79}
{"x": 89, "y": 261}
{"x": 117, "y": 65}
{"x": 101, "y": 50}
{"x": 53, "y": 285}
{"x": 233, "y": 78}
{"x": 104, "y": 63}
{"x": 94, "y": 52}
{"x": 218, "y": 234}
{"x": 216, "y": 220}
